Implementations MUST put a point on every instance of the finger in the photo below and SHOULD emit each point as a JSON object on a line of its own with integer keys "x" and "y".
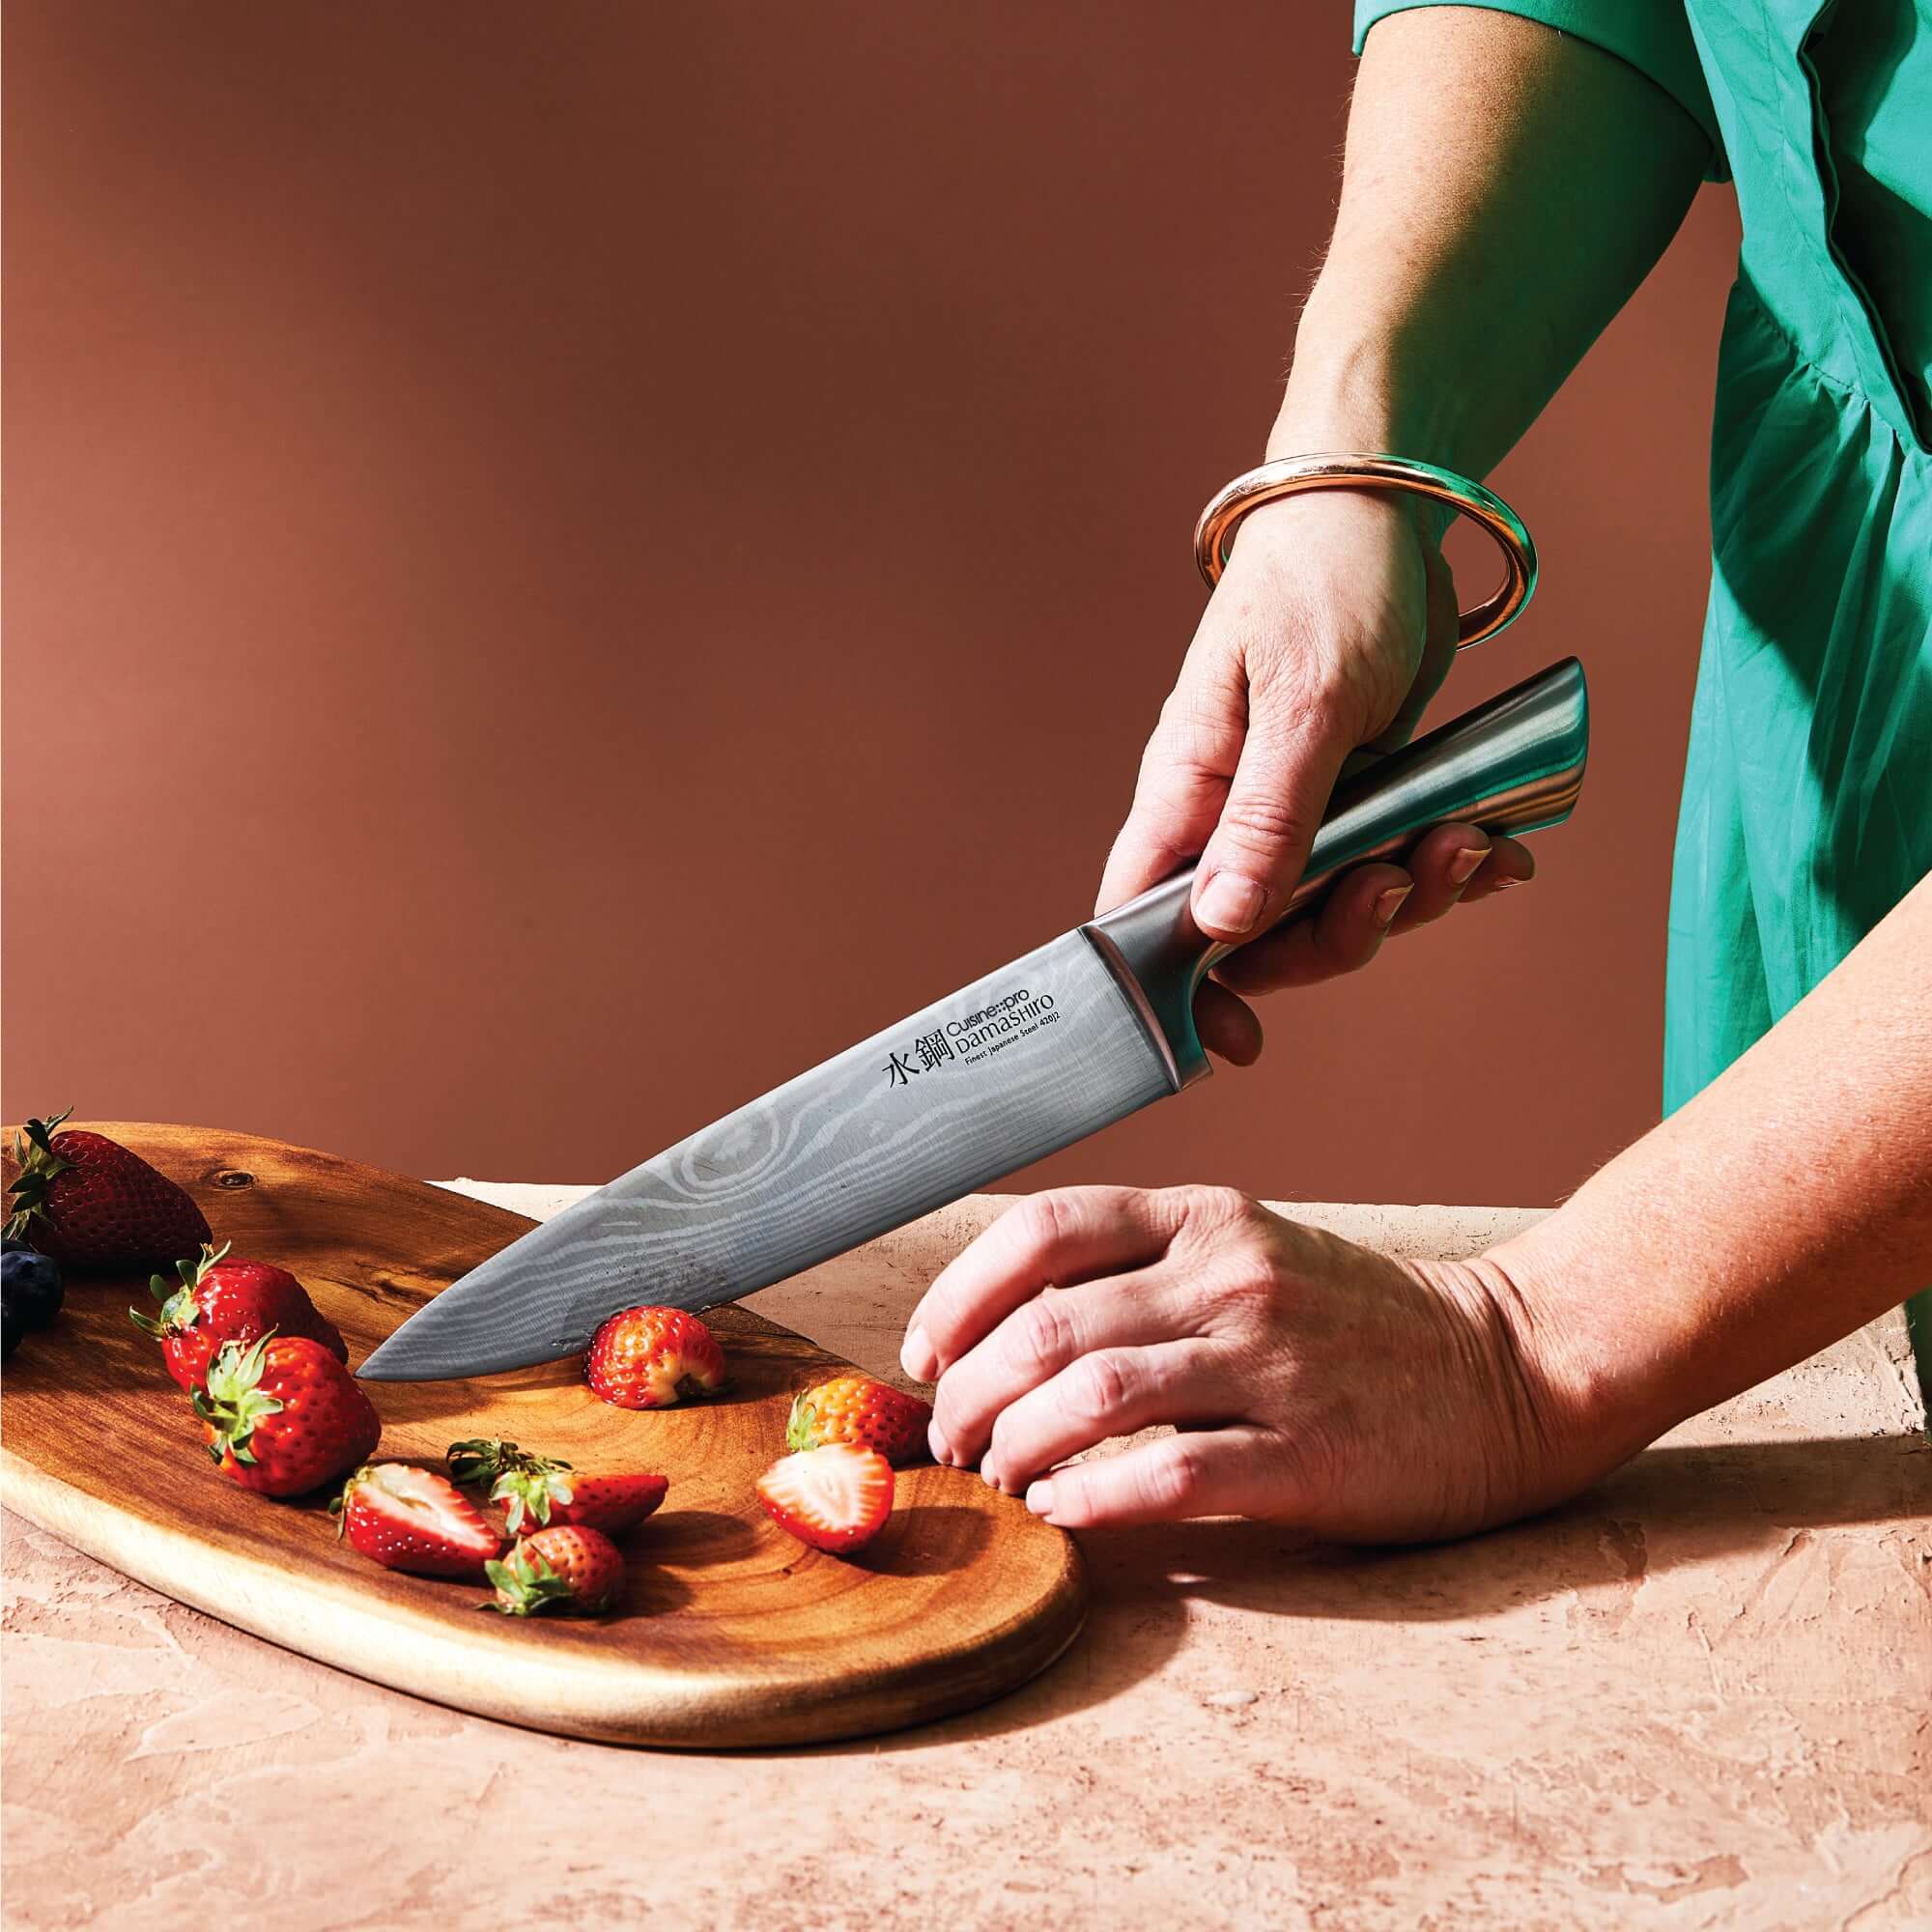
{"x": 1228, "y": 1026}
{"x": 1111, "y": 1391}
{"x": 1442, "y": 862}
{"x": 1237, "y": 1471}
{"x": 1343, "y": 932}
{"x": 1063, "y": 1237}
{"x": 1039, "y": 1341}
{"x": 1287, "y": 769}
{"x": 1508, "y": 865}
{"x": 1183, "y": 778}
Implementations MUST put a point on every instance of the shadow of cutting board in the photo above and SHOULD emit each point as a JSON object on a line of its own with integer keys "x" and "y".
{"x": 732, "y": 1633}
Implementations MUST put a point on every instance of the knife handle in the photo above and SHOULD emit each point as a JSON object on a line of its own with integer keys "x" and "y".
{"x": 1515, "y": 764}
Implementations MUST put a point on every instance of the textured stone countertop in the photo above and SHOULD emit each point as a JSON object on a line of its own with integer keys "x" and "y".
{"x": 1699, "y": 1696}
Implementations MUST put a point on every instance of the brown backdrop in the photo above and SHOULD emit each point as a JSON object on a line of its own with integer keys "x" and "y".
{"x": 567, "y": 562}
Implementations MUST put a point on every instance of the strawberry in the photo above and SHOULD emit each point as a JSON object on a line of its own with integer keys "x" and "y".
{"x": 408, "y": 1518}
{"x": 856, "y": 1408}
{"x": 834, "y": 1499}
{"x": 222, "y": 1300}
{"x": 539, "y": 1490}
{"x": 652, "y": 1357}
{"x": 87, "y": 1201}
{"x": 283, "y": 1416}
{"x": 563, "y": 1569}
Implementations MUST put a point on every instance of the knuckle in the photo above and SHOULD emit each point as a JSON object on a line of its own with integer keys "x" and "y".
{"x": 1044, "y": 1338}
{"x": 1262, "y": 818}
{"x": 1103, "y": 1386}
{"x": 1045, "y": 1222}
{"x": 1176, "y": 1475}
{"x": 1208, "y": 1210}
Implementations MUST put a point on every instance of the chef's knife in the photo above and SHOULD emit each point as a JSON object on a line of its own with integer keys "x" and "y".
{"x": 1029, "y": 1058}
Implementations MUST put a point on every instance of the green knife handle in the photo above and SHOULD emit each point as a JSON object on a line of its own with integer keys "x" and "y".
{"x": 1515, "y": 764}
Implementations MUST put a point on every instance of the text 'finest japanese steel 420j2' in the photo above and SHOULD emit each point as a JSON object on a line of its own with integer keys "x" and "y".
{"x": 1029, "y": 1058}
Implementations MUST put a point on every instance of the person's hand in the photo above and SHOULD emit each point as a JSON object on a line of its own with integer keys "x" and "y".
{"x": 1331, "y": 628}
{"x": 1314, "y": 1382}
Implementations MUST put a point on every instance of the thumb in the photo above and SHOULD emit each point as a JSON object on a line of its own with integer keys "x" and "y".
{"x": 1259, "y": 850}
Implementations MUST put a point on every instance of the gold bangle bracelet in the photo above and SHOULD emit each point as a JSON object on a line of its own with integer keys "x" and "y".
{"x": 1288, "y": 477}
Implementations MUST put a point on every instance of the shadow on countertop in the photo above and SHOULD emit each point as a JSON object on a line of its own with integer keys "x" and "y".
{"x": 1669, "y": 1508}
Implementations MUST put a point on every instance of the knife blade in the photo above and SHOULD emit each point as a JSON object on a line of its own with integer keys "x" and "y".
{"x": 1047, "y": 1050}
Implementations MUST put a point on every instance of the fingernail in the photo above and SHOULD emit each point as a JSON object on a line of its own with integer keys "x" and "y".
{"x": 988, "y": 1476}
{"x": 1505, "y": 880}
{"x": 917, "y": 1358}
{"x": 1232, "y": 902}
{"x": 935, "y": 1440}
{"x": 1462, "y": 867}
{"x": 1390, "y": 903}
{"x": 1040, "y": 1497}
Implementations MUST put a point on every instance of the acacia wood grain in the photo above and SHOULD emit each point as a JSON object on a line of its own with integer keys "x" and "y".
{"x": 731, "y": 1633}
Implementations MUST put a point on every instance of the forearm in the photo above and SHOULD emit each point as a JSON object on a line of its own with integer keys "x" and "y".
{"x": 1506, "y": 188}
{"x": 1785, "y": 1205}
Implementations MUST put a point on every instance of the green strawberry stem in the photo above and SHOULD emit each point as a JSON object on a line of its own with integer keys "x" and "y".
{"x": 39, "y": 1164}
{"x": 181, "y": 1309}
{"x": 525, "y": 1482}
{"x": 802, "y": 1429}
{"x": 233, "y": 1401}
{"x": 525, "y": 1583}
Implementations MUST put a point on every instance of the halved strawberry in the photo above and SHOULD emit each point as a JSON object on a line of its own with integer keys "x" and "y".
{"x": 536, "y": 1491}
{"x": 652, "y": 1357}
{"x": 408, "y": 1518}
{"x": 567, "y": 1568}
{"x": 857, "y": 1409}
{"x": 834, "y": 1499}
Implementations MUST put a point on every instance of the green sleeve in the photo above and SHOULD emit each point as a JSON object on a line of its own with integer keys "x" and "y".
{"x": 1652, "y": 36}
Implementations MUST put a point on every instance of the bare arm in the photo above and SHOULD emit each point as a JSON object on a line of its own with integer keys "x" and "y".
{"x": 1787, "y": 1204}
{"x": 1505, "y": 189}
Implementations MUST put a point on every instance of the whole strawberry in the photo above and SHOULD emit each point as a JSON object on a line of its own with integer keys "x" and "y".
{"x": 283, "y": 1416}
{"x": 568, "y": 1569}
{"x": 856, "y": 1408}
{"x": 221, "y": 1299}
{"x": 652, "y": 1357}
{"x": 537, "y": 1491}
{"x": 87, "y": 1201}
{"x": 408, "y": 1518}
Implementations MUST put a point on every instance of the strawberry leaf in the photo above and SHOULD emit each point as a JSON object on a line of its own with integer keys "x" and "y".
{"x": 525, "y": 1583}
{"x": 232, "y": 1401}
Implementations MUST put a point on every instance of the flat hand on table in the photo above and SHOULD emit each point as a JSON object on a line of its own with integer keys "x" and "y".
{"x": 1312, "y": 1382}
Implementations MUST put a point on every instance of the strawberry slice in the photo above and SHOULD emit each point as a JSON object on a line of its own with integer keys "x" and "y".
{"x": 834, "y": 1499}
{"x": 409, "y": 1518}
{"x": 537, "y": 1491}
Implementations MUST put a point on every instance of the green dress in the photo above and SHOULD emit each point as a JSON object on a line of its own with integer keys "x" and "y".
{"x": 1807, "y": 799}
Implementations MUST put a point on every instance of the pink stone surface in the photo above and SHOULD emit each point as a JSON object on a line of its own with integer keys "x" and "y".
{"x": 1700, "y": 1697}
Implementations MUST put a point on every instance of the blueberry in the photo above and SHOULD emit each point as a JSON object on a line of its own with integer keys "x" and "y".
{"x": 31, "y": 1285}
{"x": 10, "y": 1328}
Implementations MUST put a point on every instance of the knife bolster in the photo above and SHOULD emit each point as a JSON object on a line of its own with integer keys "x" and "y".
{"x": 1158, "y": 957}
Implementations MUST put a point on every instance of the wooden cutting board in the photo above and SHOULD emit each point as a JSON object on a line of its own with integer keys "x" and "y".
{"x": 732, "y": 1633}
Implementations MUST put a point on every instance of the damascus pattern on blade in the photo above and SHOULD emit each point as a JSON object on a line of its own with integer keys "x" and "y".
{"x": 1026, "y": 1060}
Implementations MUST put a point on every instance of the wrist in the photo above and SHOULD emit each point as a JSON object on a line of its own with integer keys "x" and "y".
{"x": 1354, "y": 388}
{"x": 1607, "y": 1375}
